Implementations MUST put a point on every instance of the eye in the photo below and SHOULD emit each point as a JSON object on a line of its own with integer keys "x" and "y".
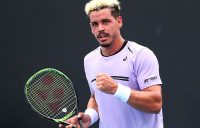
{"x": 94, "y": 24}
{"x": 105, "y": 21}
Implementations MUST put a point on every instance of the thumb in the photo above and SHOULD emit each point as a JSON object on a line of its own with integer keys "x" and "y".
{"x": 80, "y": 114}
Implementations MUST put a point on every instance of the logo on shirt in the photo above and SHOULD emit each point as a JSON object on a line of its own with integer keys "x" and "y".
{"x": 125, "y": 58}
{"x": 150, "y": 79}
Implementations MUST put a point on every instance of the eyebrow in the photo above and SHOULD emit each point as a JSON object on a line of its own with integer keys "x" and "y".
{"x": 106, "y": 19}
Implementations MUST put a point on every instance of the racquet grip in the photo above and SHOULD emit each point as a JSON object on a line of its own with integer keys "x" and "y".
{"x": 66, "y": 124}
{"x": 80, "y": 123}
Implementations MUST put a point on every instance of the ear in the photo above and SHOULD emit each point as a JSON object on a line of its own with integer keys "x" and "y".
{"x": 91, "y": 30}
{"x": 90, "y": 25}
{"x": 119, "y": 21}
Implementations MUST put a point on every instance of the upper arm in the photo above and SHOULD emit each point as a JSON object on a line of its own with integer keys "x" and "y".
{"x": 147, "y": 69}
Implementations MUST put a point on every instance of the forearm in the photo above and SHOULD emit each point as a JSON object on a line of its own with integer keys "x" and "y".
{"x": 148, "y": 100}
{"x": 92, "y": 110}
{"x": 92, "y": 103}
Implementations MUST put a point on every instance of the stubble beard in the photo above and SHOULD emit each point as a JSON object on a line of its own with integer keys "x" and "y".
{"x": 106, "y": 45}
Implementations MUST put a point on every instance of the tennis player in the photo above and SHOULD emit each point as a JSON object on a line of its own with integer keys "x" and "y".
{"x": 123, "y": 76}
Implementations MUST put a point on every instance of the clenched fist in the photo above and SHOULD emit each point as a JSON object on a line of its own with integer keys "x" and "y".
{"x": 105, "y": 83}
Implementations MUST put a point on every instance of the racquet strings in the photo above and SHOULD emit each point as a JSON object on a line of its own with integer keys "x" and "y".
{"x": 51, "y": 94}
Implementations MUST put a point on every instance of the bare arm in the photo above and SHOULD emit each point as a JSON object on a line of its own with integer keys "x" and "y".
{"x": 147, "y": 100}
{"x": 92, "y": 103}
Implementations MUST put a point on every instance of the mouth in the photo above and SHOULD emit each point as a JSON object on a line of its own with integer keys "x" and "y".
{"x": 103, "y": 36}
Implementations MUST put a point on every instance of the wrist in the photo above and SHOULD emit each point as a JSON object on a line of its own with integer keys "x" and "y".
{"x": 93, "y": 115}
{"x": 123, "y": 93}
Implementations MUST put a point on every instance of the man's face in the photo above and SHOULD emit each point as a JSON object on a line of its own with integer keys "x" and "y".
{"x": 104, "y": 26}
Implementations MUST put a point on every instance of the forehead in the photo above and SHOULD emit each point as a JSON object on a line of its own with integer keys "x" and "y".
{"x": 100, "y": 14}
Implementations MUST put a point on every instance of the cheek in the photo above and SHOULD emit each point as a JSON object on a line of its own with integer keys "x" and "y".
{"x": 94, "y": 31}
{"x": 112, "y": 30}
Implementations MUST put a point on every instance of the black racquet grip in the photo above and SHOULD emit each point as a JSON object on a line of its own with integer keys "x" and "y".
{"x": 66, "y": 124}
{"x": 80, "y": 123}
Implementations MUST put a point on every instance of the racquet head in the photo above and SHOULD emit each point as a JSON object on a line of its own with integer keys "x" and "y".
{"x": 51, "y": 94}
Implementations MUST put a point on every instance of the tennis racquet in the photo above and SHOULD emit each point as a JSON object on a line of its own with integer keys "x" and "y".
{"x": 51, "y": 94}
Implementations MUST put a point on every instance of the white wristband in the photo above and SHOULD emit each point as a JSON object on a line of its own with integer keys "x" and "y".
{"x": 93, "y": 115}
{"x": 123, "y": 93}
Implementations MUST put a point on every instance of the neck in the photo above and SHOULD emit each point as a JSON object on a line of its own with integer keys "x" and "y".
{"x": 113, "y": 48}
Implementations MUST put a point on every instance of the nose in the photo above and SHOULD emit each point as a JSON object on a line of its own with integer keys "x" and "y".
{"x": 101, "y": 27}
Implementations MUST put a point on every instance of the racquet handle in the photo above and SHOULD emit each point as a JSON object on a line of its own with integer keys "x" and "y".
{"x": 80, "y": 123}
{"x": 66, "y": 124}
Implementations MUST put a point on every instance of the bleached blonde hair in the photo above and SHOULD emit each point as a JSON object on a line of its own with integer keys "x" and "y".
{"x": 99, "y": 4}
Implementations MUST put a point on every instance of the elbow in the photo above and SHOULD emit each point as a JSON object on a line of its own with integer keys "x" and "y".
{"x": 156, "y": 105}
{"x": 156, "y": 108}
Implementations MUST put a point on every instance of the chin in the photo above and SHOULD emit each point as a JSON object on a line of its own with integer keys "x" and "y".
{"x": 105, "y": 43}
